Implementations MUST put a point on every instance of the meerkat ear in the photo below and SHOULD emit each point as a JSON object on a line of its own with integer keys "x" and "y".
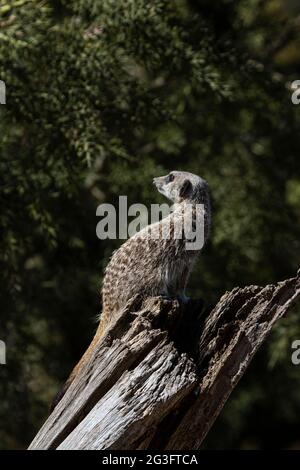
{"x": 185, "y": 188}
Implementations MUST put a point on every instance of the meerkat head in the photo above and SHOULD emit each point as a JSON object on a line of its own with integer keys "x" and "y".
{"x": 179, "y": 186}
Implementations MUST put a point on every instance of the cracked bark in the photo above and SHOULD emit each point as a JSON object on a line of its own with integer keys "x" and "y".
{"x": 163, "y": 371}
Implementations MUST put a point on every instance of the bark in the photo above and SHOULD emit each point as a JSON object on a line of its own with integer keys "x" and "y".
{"x": 163, "y": 371}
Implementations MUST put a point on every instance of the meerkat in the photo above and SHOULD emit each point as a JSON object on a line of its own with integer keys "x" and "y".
{"x": 156, "y": 260}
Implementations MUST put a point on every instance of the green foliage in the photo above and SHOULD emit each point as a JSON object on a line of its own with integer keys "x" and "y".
{"x": 101, "y": 97}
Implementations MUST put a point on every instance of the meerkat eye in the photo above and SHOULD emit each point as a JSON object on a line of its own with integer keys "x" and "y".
{"x": 170, "y": 178}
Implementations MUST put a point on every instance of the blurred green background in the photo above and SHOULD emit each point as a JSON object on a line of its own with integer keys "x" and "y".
{"x": 102, "y": 96}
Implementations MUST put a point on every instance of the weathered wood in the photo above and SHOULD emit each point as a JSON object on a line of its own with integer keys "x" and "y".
{"x": 232, "y": 334}
{"x": 126, "y": 349}
{"x": 163, "y": 371}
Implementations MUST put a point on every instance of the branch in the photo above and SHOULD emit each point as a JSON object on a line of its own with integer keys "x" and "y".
{"x": 162, "y": 373}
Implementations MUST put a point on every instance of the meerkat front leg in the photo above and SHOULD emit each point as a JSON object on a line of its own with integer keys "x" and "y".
{"x": 185, "y": 277}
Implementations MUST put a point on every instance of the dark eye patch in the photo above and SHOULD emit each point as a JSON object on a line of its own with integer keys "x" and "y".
{"x": 170, "y": 178}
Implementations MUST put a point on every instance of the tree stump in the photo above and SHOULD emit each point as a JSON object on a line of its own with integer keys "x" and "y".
{"x": 163, "y": 371}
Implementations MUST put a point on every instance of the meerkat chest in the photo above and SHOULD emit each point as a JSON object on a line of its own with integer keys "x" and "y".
{"x": 174, "y": 274}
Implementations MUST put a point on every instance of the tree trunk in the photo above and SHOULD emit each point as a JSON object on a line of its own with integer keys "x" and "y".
{"x": 161, "y": 374}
